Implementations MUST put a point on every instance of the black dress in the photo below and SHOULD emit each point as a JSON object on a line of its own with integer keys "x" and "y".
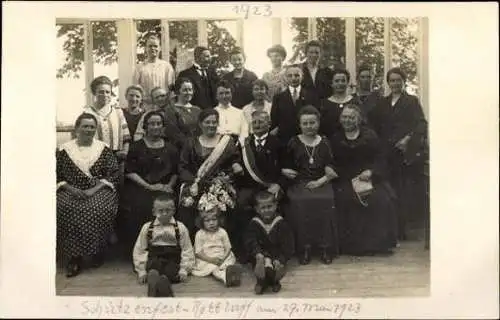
{"x": 330, "y": 113}
{"x": 242, "y": 94}
{"x": 363, "y": 229}
{"x": 153, "y": 165}
{"x": 311, "y": 213}
{"x": 406, "y": 169}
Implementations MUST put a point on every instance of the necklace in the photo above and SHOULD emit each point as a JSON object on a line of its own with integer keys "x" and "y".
{"x": 311, "y": 154}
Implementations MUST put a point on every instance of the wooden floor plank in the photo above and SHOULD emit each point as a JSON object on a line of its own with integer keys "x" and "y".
{"x": 406, "y": 273}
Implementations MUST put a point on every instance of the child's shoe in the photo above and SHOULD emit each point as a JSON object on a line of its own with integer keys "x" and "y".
{"x": 164, "y": 288}
{"x": 233, "y": 276}
{"x": 259, "y": 288}
{"x": 153, "y": 279}
{"x": 276, "y": 287}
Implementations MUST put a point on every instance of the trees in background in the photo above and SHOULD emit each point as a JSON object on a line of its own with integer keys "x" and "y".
{"x": 330, "y": 32}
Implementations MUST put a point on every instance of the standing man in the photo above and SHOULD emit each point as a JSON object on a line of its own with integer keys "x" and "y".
{"x": 286, "y": 106}
{"x": 316, "y": 79}
{"x": 204, "y": 79}
{"x": 368, "y": 98}
{"x": 153, "y": 72}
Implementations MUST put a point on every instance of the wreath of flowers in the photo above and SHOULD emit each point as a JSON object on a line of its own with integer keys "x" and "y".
{"x": 220, "y": 193}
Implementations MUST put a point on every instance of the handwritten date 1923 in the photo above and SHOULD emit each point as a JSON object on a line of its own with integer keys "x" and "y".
{"x": 248, "y": 10}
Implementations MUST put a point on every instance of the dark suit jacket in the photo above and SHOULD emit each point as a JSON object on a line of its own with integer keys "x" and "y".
{"x": 321, "y": 87}
{"x": 284, "y": 113}
{"x": 242, "y": 94}
{"x": 204, "y": 92}
{"x": 268, "y": 161}
{"x": 392, "y": 123}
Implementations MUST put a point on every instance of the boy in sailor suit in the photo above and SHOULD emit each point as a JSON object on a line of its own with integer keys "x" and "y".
{"x": 270, "y": 243}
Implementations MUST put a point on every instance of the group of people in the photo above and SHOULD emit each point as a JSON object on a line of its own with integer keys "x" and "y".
{"x": 200, "y": 175}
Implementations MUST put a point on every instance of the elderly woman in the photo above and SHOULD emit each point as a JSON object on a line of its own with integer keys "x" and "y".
{"x": 151, "y": 166}
{"x": 204, "y": 158}
{"x": 400, "y": 123}
{"x": 275, "y": 78}
{"x": 112, "y": 127}
{"x": 87, "y": 199}
{"x": 133, "y": 112}
{"x": 333, "y": 105}
{"x": 311, "y": 208}
{"x": 188, "y": 113}
{"x": 365, "y": 201}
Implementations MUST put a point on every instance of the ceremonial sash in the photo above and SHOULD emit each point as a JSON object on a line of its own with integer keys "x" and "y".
{"x": 215, "y": 158}
{"x": 249, "y": 161}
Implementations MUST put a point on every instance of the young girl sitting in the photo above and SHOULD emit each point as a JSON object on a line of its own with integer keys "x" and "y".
{"x": 213, "y": 251}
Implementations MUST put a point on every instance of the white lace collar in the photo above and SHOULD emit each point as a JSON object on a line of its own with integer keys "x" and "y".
{"x": 83, "y": 157}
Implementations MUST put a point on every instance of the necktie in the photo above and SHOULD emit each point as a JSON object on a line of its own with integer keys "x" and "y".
{"x": 295, "y": 95}
{"x": 260, "y": 144}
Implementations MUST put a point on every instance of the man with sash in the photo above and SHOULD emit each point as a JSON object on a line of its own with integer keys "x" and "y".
{"x": 262, "y": 171}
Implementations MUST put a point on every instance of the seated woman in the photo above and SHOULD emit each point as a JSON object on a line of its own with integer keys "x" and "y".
{"x": 204, "y": 159}
{"x": 187, "y": 112}
{"x": 311, "y": 208}
{"x": 332, "y": 106}
{"x": 133, "y": 112}
{"x": 87, "y": 198}
{"x": 366, "y": 212}
{"x": 151, "y": 167}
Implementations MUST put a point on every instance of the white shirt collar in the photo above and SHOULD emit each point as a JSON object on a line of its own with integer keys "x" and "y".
{"x": 292, "y": 88}
{"x": 263, "y": 137}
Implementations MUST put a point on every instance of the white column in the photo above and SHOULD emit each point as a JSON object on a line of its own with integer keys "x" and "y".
{"x": 88, "y": 59}
{"x": 240, "y": 33}
{"x": 126, "y": 54}
{"x": 350, "y": 47}
{"x": 276, "y": 30}
{"x": 423, "y": 63}
{"x": 311, "y": 29}
{"x": 387, "y": 50}
{"x": 165, "y": 40}
{"x": 202, "y": 33}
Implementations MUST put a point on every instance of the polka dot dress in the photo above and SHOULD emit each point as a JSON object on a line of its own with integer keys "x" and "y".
{"x": 83, "y": 224}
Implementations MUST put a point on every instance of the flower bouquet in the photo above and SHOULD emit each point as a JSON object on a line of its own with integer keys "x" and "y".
{"x": 218, "y": 192}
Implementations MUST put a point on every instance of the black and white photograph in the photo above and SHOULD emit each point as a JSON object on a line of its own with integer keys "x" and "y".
{"x": 249, "y": 160}
{"x": 230, "y": 157}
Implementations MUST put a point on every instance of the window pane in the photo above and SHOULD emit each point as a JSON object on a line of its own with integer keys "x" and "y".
{"x": 183, "y": 40}
{"x": 331, "y": 34}
{"x": 105, "y": 51}
{"x": 222, "y": 35}
{"x": 294, "y": 37}
{"x": 70, "y": 78}
{"x": 404, "y": 49}
{"x": 370, "y": 47}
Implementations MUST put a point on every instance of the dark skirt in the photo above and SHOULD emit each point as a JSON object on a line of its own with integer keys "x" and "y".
{"x": 311, "y": 214}
{"x": 83, "y": 226}
{"x": 136, "y": 208}
{"x": 366, "y": 230}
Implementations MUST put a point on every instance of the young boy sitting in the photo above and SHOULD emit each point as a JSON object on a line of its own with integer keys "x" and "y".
{"x": 270, "y": 243}
{"x": 163, "y": 253}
